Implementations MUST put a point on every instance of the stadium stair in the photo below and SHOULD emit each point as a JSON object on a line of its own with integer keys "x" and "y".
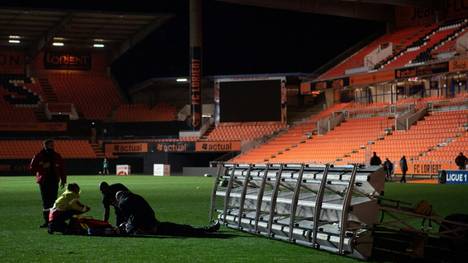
{"x": 207, "y": 132}
{"x": 39, "y": 112}
{"x": 98, "y": 150}
{"x": 50, "y": 95}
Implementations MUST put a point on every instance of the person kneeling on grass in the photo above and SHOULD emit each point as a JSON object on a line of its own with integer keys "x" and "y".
{"x": 140, "y": 219}
{"x": 65, "y": 207}
{"x": 108, "y": 199}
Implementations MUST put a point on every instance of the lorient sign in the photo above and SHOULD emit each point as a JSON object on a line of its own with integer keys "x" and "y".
{"x": 456, "y": 177}
{"x": 67, "y": 60}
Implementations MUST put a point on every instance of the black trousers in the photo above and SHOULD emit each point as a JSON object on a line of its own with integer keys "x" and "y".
{"x": 119, "y": 217}
{"x": 49, "y": 189}
{"x": 388, "y": 175}
{"x": 403, "y": 176}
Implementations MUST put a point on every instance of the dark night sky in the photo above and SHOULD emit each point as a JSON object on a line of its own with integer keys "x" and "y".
{"x": 245, "y": 40}
{"x": 236, "y": 39}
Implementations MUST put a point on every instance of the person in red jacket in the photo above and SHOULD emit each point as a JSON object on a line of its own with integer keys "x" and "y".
{"x": 48, "y": 167}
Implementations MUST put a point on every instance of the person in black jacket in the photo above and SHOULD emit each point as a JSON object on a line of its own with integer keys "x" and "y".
{"x": 388, "y": 168}
{"x": 48, "y": 167}
{"x": 403, "y": 168}
{"x": 461, "y": 161}
{"x": 108, "y": 199}
{"x": 140, "y": 219}
{"x": 375, "y": 160}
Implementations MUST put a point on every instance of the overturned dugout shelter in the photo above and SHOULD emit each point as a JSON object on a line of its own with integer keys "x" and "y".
{"x": 324, "y": 207}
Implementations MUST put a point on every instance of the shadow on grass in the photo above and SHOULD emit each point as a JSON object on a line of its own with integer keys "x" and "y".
{"x": 181, "y": 236}
{"x": 217, "y": 235}
{"x": 407, "y": 246}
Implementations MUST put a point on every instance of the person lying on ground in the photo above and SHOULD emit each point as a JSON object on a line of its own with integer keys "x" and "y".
{"x": 140, "y": 219}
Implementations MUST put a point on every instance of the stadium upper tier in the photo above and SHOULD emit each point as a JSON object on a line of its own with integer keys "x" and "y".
{"x": 93, "y": 95}
{"x": 420, "y": 49}
{"x": 408, "y": 45}
{"x": 18, "y": 98}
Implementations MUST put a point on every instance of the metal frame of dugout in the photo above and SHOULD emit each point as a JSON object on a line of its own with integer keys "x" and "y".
{"x": 320, "y": 206}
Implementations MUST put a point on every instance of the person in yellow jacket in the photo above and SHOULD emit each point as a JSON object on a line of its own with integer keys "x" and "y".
{"x": 65, "y": 207}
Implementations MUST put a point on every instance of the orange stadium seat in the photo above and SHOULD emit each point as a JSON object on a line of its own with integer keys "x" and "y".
{"x": 408, "y": 43}
{"x": 401, "y": 39}
{"x": 94, "y": 95}
{"x": 421, "y": 138}
{"x": 140, "y": 112}
{"x": 233, "y": 131}
{"x": 16, "y": 113}
{"x": 406, "y": 57}
{"x": 25, "y": 149}
{"x": 295, "y": 146}
{"x": 355, "y": 140}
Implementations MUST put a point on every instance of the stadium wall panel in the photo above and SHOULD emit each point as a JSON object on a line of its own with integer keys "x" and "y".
{"x": 170, "y": 128}
{"x": 178, "y": 161}
{"x": 72, "y": 166}
{"x": 197, "y": 171}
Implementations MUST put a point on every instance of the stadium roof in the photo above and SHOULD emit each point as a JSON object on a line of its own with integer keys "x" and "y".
{"x": 377, "y": 10}
{"x": 37, "y": 28}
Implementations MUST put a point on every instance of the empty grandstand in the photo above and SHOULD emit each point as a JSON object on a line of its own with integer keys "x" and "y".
{"x": 401, "y": 93}
{"x": 282, "y": 103}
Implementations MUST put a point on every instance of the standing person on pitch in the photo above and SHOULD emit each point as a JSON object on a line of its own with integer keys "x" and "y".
{"x": 375, "y": 160}
{"x": 105, "y": 167}
{"x": 388, "y": 168}
{"x": 404, "y": 169}
{"x": 461, "y": 161}
{"x": 48, "y": 167}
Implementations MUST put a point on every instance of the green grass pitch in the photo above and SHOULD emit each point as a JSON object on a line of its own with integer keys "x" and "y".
{"x": 175, "y": 199}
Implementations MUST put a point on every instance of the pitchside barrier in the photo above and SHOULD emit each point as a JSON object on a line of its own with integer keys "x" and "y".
{"x": 324, "y": 207}
{"x": 453, "y": 177}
